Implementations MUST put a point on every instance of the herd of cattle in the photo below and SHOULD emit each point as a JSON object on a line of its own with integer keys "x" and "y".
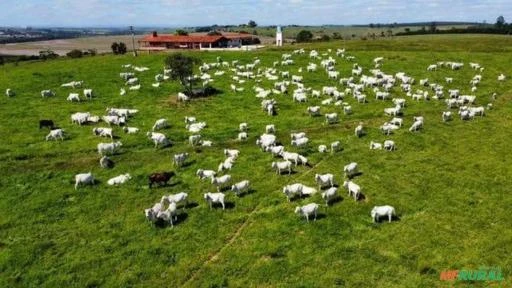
{"x": 357, "y": 85}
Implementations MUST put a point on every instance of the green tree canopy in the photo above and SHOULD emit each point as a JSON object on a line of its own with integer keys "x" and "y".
{"x": 182, "y": 68}
{"x": 304, "y": 36}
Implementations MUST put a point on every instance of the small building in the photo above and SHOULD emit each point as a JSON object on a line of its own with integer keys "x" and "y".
{"x": 156, "y": 42}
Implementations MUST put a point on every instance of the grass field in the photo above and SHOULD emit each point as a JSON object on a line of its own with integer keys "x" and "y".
{"x": 450, "y": 183}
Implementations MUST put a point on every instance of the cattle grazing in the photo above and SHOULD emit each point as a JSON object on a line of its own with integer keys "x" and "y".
{"x": 379, "y": 211}
{"x": 106, "y": 162}
{"x": 329, "y": 194}
{"x": 55, "y": 134}
{"x": 84, "y": 178}
{"x": 215, "y": 198}
{"x": 307, "y": 210}
{"x": 161, "y": 178}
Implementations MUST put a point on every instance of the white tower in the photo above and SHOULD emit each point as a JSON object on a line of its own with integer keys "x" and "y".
{"x": 279, "y": 36}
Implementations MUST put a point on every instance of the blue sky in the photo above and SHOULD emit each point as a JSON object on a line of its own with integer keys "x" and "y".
{"x": 265, "y": 12}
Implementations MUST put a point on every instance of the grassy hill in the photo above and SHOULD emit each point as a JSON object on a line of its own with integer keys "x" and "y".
{"x": 449, "y": 183}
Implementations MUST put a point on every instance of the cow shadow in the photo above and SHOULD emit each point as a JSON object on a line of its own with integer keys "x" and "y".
{"x": 385, "y": 219}
{"x": 181, "y": 217}
{"x": 191, "y": 205}
{"x": 227, "y": 204}
{"x": 361, "y": 197}
{"x": 319, "y": 216}
{"x": 246, "y": 193}
{"x": 355, "y": 175}
{"x": 286, "y": 173}
{"x": 224, "y": 189}
{"x": 337, "y": 199}
{"x": 187, "y": 164}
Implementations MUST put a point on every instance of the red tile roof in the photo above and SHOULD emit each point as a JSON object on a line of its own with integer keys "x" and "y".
{"x": 182, "y": 39}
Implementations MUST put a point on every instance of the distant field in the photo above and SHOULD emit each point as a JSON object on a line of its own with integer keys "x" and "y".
{"x": 347, "y": 32}
{"x": 266, "y": 35}
{"x": 450, "y": 182}
{"x": 63, "y": 46}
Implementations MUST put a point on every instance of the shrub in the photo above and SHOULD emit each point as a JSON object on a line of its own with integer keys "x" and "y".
{"x": 304, "y": 36}
{"x": 75, "y": 53}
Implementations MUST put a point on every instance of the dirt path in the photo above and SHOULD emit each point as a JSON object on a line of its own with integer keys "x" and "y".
{"x": 237, "y": 233}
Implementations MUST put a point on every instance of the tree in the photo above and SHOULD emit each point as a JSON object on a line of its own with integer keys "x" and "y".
{"x": 75, "y": 53}
{"x": 122, "y": 48}
{"x": 500, "y": 21}
{"x": 214, "y": 33}
{"x": 115, "y": 48}
{"x": 325, "y": 37}
{"x": 47, "y": 54}
{"x": 304, "y": 36}
{"x": 181, "y": 32}
{"x": 182, "y": 68}
{"x": 252, "y": 24}
{"x": 433, "y": 27}
{"x": 2, "y": 61}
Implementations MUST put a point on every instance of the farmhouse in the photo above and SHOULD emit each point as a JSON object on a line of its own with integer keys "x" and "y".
{"x": 195, "y": 41}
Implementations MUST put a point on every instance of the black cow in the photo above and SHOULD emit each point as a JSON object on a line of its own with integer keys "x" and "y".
{"x": 160, "y": 178}
{"x": 46, "y": 123}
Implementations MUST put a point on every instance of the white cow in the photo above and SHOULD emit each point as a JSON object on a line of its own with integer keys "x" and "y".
{"x": 88, "y": 93}
{"x": 73, "y": 97}
{"x": 9, "y": 92}
{"x": 179, "y": 159}
{"x": 389, "y": 145}
{"x": 284, "y": 165}
{"x": 108, "y": 148}
{"x": 375, "y": 146}
{"x": 220, "y": 181}
{"x": 84, "y": 178}
{"x": 301, "y": 142}
{"x": 447, "y": 116}
{"x": 215, "y": 198}
{"x": 203, "y": 174}
{"x": 241, "y": 187}
{"x": 324, "y": 180}
{"x": 54, "y": 134}
{"x": 103, "y": 132}
{"x": 313, "y": 110}
{"x": 293, "y": 189}
{"x": 307, "y": 210}
{"x": 160, "y": 123}
{"x": 119, "y": 179}
{"x": 131, "y": 130}
{"x": 331, "y": 118}
{"x": 47, "y": 93}
{"x": 329, "y": 194}
{"x": 181, "y": 197}
{"x": 270, "y": 129}
{"x": 242, "y": 136}
{"x": 158, "y": 139}
{"x": 335, "y": 146}
{"x": 359, "y": 131}
{"x": 379, "y": 211}
{"x": 351, "y": 169}
{"x": 353, "y": 189}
